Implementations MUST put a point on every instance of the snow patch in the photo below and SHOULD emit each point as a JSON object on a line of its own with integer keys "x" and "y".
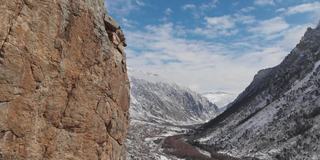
{"x": 206, "y": 153}
{"x": 299, "y": 84}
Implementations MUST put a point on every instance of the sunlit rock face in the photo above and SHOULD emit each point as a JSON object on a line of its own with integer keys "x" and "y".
{"x": 64, "y": 91}
{"x": 277, "y": 116}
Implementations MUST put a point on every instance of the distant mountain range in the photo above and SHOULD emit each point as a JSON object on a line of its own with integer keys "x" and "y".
{"x": 221, "y": 99}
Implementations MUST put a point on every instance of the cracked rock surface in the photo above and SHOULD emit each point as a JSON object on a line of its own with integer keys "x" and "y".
{"x": 64, "y": 90}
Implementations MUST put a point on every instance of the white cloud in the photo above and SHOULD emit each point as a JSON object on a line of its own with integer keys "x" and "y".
{"x": 224, "y": 22}
{"x": 123, "y": 7}
{"x": 244, "y": 19}
{"x": 292, "y": 36}
{"x": 209, "y": 5}
{"x": 203, "y": 66}
{"x": 200, "y": 10}
{"x": 168, "y": 12}
{"x": 189, "y": 6}
{"x": 140, "y": 3}
{"x": 223, "y": 26}
{"x": 280, "y": 10}
{"x": 217, "y": 26}
{"x": 213, "y": 32}
{"x": 247, "y": 9}
{"x": 210, "y": 65}
{"x": 270, "y": 26}
{"x": 303, "y": 8}
{"x": 264, "y": 2}
{"x": 127, "y": 23}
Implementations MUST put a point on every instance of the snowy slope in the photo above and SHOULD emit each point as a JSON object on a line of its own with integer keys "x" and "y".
{"x": 278, "y": 115}
{"x": 168, "y": 103}
{"x": 158, "y": 109}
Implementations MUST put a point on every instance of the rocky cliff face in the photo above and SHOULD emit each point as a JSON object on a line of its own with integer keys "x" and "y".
{"x": 64, "y": 90}
{"x": 277, "y": 116}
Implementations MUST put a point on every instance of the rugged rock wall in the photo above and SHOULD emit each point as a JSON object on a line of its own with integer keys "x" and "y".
{"x": 64, "y": 90}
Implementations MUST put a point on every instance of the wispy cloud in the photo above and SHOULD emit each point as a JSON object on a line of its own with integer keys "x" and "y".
{"x": 123, "y": 7}
{"x": 264, "y": 2}
{"x": 209, "y": 5}
{"x": 292, "y": 36}
{"x": 140, "y": 3}
{"x": 223, "y": 22}
{"x": 127, "y": 23}
{"x": 247, "y": 9}
{"x": 303, "y": 8}
{"x": 224, "y": 25}
{"x": 168, "y": 12}
{"x": 200, "y": 9}
{"x": 215, "y": 50}
{"x": 244, "y": 19}
{"x": 189, "y": 6}
{"x": 213, "y": 65}
{"x": 270, "y": 26}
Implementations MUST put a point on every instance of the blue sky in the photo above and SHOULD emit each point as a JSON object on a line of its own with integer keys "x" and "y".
{"x": 211, "y": 45}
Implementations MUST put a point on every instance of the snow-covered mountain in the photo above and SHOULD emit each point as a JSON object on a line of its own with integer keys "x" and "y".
{"x": 278, "y": 115}
{"x": 168, "y": 103}
{"x": 221, "y": 99}
{"x": 159, "y": 109}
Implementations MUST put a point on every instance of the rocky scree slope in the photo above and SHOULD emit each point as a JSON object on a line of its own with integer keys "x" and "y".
{"x": 159, "y": 109}
{"x": 64, "y": 90}
{"x": 278, "y": 115}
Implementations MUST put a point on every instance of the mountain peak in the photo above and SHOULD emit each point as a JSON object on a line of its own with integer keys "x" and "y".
{"x": 220, "y": 98}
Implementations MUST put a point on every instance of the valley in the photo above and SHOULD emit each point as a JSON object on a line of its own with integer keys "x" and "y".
{"x": 160, "y": 109}
{"x": 159, "y": 80}
{"x": 275, "y": 118}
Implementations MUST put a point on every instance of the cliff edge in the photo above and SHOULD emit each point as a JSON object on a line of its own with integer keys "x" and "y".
{"x": 64, "y": 90}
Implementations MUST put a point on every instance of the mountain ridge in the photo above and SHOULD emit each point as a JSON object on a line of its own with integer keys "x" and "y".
{"x": 273, "y": 99}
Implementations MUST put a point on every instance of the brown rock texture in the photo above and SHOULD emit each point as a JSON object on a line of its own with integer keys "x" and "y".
{"x": 64, "y": 91}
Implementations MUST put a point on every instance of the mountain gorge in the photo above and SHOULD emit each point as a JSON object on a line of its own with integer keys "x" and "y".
{"x": 66, "y": 93}
{"x": 159, "y": 109}
{"x": 277, "y": 116}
